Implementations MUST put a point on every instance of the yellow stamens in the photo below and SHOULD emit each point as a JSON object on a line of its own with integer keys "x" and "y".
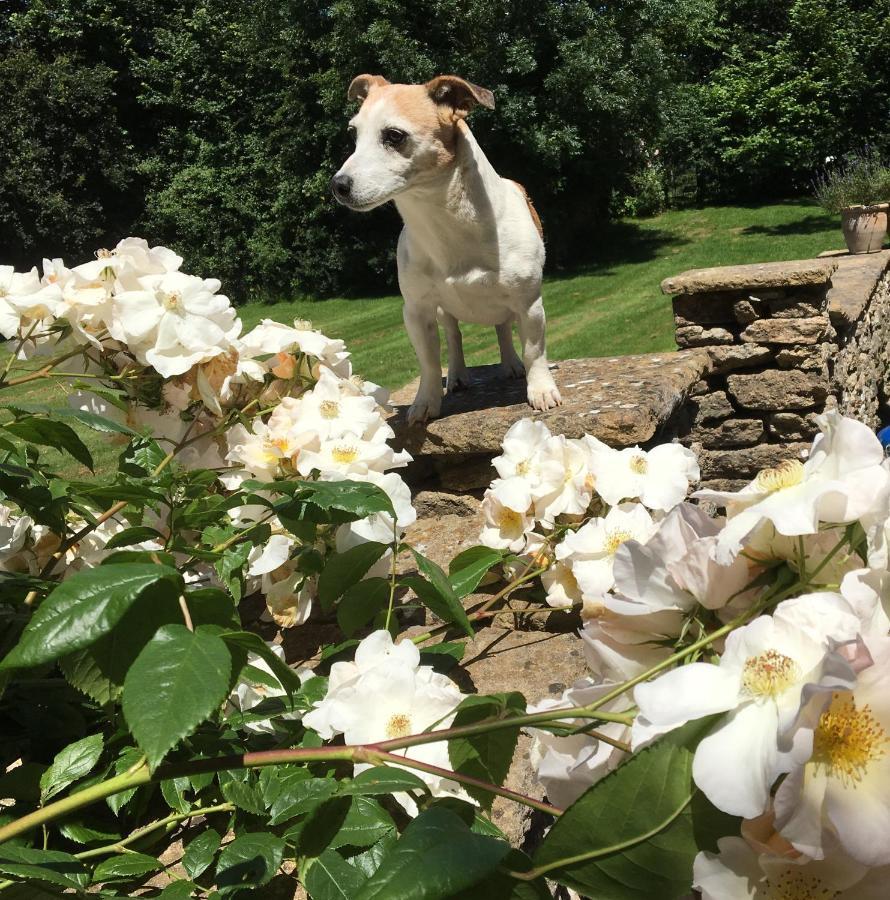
{"x": 847, "y": 739}
{"x": 171, "y": 300}
{"x": 795, "y": 884}
{"x": 344, "y": 453}
{"x": 523, "y": 467}
{"x": 638, "y": 464}
{"x": 329, "y": 409}
{"x": 614, "y": 539}
{"x": 786, "y": 474}
{"x": 509, "y": 519}
{"x": 769, "y": 674}
{"x": 399, "y": 725}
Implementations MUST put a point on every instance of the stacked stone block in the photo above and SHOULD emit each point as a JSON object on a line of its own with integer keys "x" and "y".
{"x": 786, "y": 341}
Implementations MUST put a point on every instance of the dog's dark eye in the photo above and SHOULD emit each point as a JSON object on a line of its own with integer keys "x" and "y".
{"x": 393, "y": 137}
{"x": 352, "y": 133}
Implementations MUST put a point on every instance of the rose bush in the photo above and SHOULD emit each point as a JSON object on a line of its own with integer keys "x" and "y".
{"x": 733, "y": 733}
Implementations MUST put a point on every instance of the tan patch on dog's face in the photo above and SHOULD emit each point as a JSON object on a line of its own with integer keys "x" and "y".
{"x": 382, "y": 168}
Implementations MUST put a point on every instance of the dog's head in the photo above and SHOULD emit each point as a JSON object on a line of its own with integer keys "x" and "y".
{"x": 404, "y": 135}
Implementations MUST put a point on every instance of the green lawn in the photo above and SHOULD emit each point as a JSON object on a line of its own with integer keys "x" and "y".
{"x": 612, "y": 306}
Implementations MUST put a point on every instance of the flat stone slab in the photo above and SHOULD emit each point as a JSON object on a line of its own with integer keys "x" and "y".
{"x": 790, "y": 273}
{"x": 853, "y": 283}
{"x": 621, "y": 400}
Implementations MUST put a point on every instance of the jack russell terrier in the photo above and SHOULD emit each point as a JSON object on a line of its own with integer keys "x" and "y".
{"x": 471, "y": 249}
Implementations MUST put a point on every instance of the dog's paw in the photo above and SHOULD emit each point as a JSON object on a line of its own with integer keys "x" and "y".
{"x": 544, "y": 395}
{"x": 423, "y": 409}
{"x": 512, "y": 368}
{"x": 458, "y": 380}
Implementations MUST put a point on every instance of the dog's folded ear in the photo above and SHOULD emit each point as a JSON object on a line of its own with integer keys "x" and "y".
{"x": 460, "y": 95}
{"x": 361, "y": 84}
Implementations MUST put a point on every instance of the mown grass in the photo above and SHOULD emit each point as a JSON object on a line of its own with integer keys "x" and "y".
{"x": 608, "y": 307}
{"x": 611, "y": 306}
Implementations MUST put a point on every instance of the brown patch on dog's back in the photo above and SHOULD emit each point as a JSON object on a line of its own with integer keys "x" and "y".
{"x": 531, "y": 207}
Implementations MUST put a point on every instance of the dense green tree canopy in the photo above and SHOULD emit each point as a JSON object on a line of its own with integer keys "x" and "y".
{"x": 215, "y": 125}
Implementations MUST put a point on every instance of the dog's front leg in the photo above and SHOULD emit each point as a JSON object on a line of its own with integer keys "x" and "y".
{"x": 458, "y": 373}
{"x": 542, "y": 391}
{"x": 420, "y": 321}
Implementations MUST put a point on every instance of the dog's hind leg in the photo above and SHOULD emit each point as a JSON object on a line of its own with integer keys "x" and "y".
{"x": 542, "y": 390}
{"x": 511, "y": 364}
{"x": 458, "y": 374}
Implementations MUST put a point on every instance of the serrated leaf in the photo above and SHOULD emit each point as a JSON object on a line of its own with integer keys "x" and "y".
{"x": 71, "y": 764}
{"x": 135, "y": 535}
{"x": 90, "y": 419}
{"x": 127, "y": 865}
{"x": 244, "y": 796}
{"x": 253, "y": 643}
{"x": 200, "y": 852}
{"x": 50, "y": 866}
{"x": 82, "y": 609}
{"x": 179, "y": 679}
{"x": 250, "y": 861}
{"x": 330, "y": 877}
{"x": 365, "y": 823}
{"x": 343, "y": 570}
{"x": 50, "y": 433}
{"x": 637, "y": 826}
{"x": 383, "y": 780}
{"x": 299, "y": 796}
{"x": 438, "y": 851}
{"x": 487, "y": 755}
{"x": 435, "y": 591}
{"x": 361, "y": 603}
{"x": 178, "y": 890}
{"x": 468, "y": 568}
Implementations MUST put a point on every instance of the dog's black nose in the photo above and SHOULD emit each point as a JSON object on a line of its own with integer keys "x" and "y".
{"x": 341, "y": 185}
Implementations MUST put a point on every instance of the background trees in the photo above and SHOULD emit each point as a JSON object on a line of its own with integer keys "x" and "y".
{"x": 216, "y": 125}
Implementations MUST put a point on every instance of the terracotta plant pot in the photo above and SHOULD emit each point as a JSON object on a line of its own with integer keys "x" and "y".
{"x": 864, "y": 227}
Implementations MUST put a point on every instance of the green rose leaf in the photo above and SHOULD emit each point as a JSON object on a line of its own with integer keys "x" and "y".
{"x": 438, "y": 851}
{"x": 70, "y": 764}
{"x": 50, "y": 433}
{"x": 361, "y": 603}
{"x": 179, "y": 679}
{"x": 468, "y": 568}
{"x": 343, "y": 570}
{"x": 488, "y": 755}
{"x": 84, "y": 608}
{"x": 127, "y": 865}
{"x": 330, "y": 877}
{"x": 434, "y": 590}
{"x": 200, "y": 852}
{"x": 250, "y": 861}
{"x": 50, "y": 866}
{"x": 633, "y": 834}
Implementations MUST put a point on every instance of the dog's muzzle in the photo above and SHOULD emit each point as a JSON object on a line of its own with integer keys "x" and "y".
{"x": 341, "y": 187}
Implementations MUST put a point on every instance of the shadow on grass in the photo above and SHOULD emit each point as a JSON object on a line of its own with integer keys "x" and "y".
{"x": 618, "y": 244}
{"x": 808, "y": 225}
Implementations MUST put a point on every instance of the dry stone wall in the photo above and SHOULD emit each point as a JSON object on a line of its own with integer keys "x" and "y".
{"x": 785, "y": 341}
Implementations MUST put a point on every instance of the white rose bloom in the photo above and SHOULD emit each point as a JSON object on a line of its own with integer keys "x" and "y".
{"x": 590, "y": 550}
{"x": 567, "y": 766}
{"x": 839, "y": 787}
{"x": 265, "y": 558}
{"x": 13, "y": 533}
{"x": 386, "y": 694}
{"x": 507, "y": 508}
{"x": 522, "y": 457}
{"x": 333, "y": 408}
{"x": 260, "y": 451}
{"x": 868, "y": 593}
{"x": 561, "y": 585}
{"x": 250, "y": 694}
{"x": 130, "y": 260}
{"x": 14, "y": 285}
{"x": 174, "y": 321}
{"x": 567, "y": 481}
{"x": 289, "y": 595}
{"x": 619, "y": 647}
{"x": 675, "y": 568}
{"x": 759, "y": 680}
{"x": 842, "y": 480}
{"x": 270, "y": 338}
{"x": 350, "y": 454}
{"x": 658, "y": 478}
{"x": 738, "y": 872}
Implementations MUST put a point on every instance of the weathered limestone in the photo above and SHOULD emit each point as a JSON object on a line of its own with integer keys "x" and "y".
{"x": 621, "y": 400}
{"x": 807, "y": 335}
